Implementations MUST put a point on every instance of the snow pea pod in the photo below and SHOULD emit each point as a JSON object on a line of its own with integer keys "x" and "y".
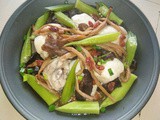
{"x": 98, "y": 39}
{"x": 131, "y": 47}
{"x": 64, "y": 19}
{"x": 70, "y": 84}
{"x": 80, "y": 107}
{"x": 103, "y": 9}
{"x": 48, "y": 97}
{"x": 85, "y": 8}
{"x": 27, "y": 49}
{"x": 41, "y": 20}
{"x": 61, "y": 8}
{"x": 119, "y": 93}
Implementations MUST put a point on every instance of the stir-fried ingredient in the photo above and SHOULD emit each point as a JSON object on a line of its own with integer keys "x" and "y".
{"x": 78, "y": 58}
{"x": 56, "y": 73}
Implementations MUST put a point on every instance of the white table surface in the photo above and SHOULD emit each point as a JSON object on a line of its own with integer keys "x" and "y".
{"x": 151, "y": 8}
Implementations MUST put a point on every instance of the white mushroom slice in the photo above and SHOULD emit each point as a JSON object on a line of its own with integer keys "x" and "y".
{"x": 57, "y": 72}
{"x": 39, "y": 41}
{"x": 82, "y": 18}
{"x": 109, "y": 29}
{"x": 116, "y": 66}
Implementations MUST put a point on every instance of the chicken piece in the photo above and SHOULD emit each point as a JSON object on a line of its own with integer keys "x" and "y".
{"x": 82, "y": 18}
{"x": 39, "y": 41}
{"x": 109, "y": 29}
{"x": 57, "y": 72}
{"x": 115, "y": 66}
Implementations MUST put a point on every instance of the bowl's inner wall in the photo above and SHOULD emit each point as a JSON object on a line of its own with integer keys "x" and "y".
{"x": 31, "y": 101}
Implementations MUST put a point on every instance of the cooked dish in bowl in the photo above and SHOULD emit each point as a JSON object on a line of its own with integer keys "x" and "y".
{"x": 79, "y": 58}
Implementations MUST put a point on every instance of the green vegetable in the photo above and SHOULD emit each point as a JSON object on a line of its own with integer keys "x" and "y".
{"x": 22, "y": 65}
{"x": 32, "y": 37}
{"x": 25, "y": 77}
{"x": 99, "y": 39}
{"x": 131, "y": 47}
{"x": 61, "y": 8}
{"x": 26, "y": 50}
{"x": 119, "y": 93}
{"x": 103, "y": 110}
{"x": 68, "y": 89}
{"x": 103, "y": 9}
{"x": 30, "y": 71}
{"x": 51, "y": 108}
{"x": 105, "y": 55}
{"x": 97, "y": 47}
{"x": 99, "y": 63}
{"x": 80, "y": 107}
{"x": 45, "y": 76}
{"x": 95, "y": 59}
{"x": 80, "y": 77}
{"x": 64, "y": 19}
{"x": 85, "y": 8}
{"x": 79, "y": 48}
{"x": 48, "y": 97}
{"x": 103, "y": 61}
{"x": 41, "y": 20}
{"x": 110, "y": 72}
{"x": 22, "y": 71}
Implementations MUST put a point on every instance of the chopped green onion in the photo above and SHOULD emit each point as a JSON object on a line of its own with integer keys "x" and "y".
{"x": 110, "y": 72}
{"x": 80, "y": 77}
{"x": 99, "y": 63}
{"x": 22, "y": 71}
{"x": 22, "y": 65}
{"x": 51, "y": 108}
{"x": 103, "y": 61}
{"x": 95, "y": 59}
{"x": 79, "y": 48}
{"x": 29, "y": 70}
{"x": 25, "y": 78}
{"x": 103, "y": 110}
{"x": 45, "y": 76}
{"x": 96, "y": 47}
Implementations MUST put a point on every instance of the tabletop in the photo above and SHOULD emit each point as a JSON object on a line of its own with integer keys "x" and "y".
{"x": 151, "y": 8}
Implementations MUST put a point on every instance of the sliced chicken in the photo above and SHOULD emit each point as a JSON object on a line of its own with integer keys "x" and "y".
{"x": 82, "y": 18}
{"x": 57, "y": 72}
{"x": 109, "y": 29}
{"x": 115, "y": 66}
